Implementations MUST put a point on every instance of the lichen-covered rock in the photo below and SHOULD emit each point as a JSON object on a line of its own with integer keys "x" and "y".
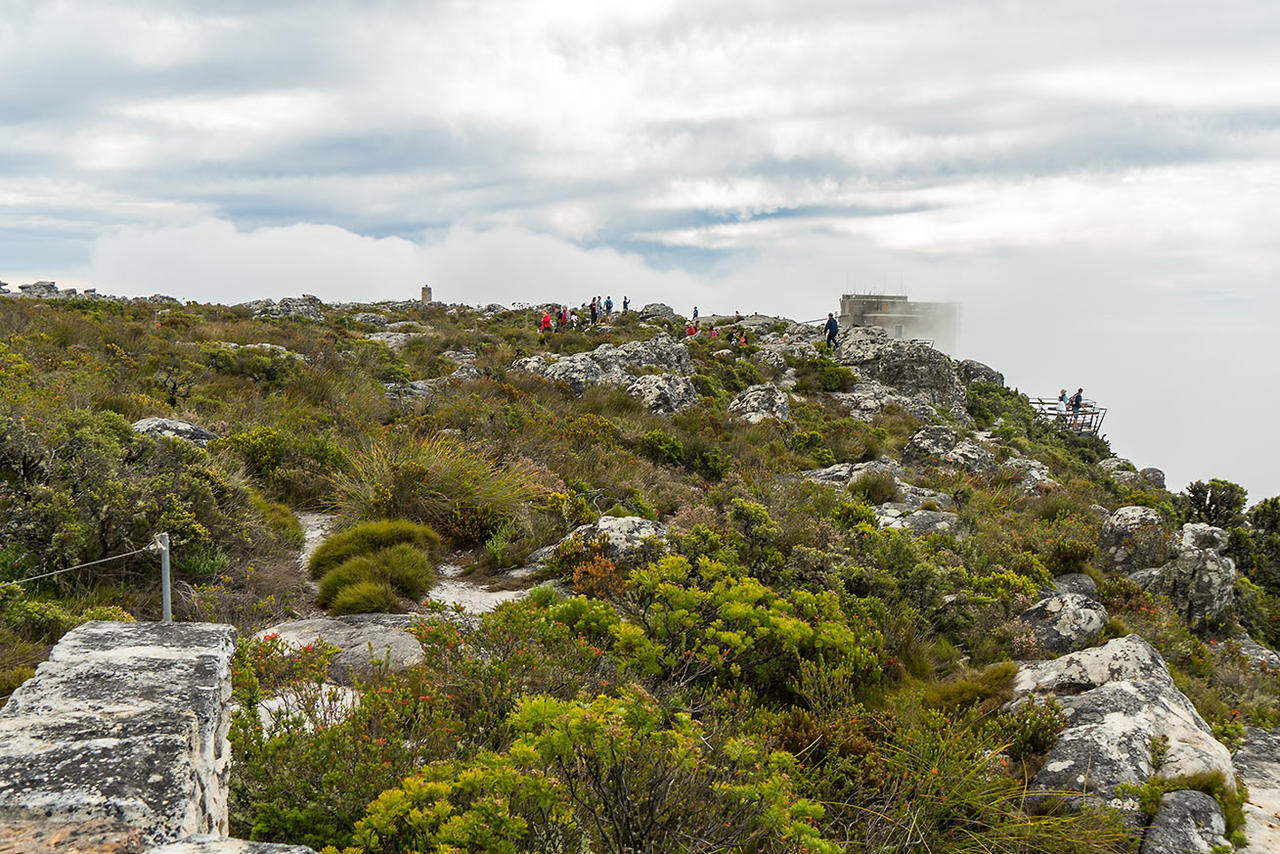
{"x": 759, "y": 403}
{"x": 664, "y": 393}
{"x": 175, "y": 429}
{"x": 1113, "y": 464}
{"x": 628, "y": 537}
{"x": 371, "y": 318}
{"x": 393, "y": 340}
{"x": 305, "y": 307}
{"x": 466, "y": 372}
{"x": 909, "y": 498}
{"x": 126, "y": 722}
{"x": 1033, "y": 476}
{"x": 1199, "y": 582}
{"x": 1117, "y": 698}
{"x": 657, "y": 311}
{"x": 1076, "y": 582}
{"x": 910, "y": 367}
{"x": 936, "y": 445}
{"x": 365, "y": 642}
{"x": 1188, "y": 822}
{"x": 610, "y": 364}
{"x": 868, "y": 398}
{"x": 1133, "y": 538}
{"x": 971, "y": 372}
{"x": 1257, "y": 761}
{"x": 1153, "y": 476}
{"x": 206, "y": 844}
{"x": 415, "y": 390}
{"x": 921, "y": 522}
{"x": 1065, "y": 621}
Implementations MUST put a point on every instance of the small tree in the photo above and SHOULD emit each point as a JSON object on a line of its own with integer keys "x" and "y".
{"x": 1218, "y": 502}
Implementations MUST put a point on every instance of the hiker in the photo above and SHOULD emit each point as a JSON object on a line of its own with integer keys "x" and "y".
{"x": 1062, "y": 406}
{"x": 608, "y": 306}
{"x": 744, "y": 338}
{"x": 714, "y": 332}
{"x": 546, "y": 320}
{"x": 595, "y": 311}
{"x": 690, "y": 331}
{"x": 626, "y": 304}
{"x": 832, "y": 327}
{"x": 695, "y": 315}
{"x": 1077, "y": 400}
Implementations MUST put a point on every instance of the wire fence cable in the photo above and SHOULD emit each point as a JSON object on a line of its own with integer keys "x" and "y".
{"x": 83, "y": 565}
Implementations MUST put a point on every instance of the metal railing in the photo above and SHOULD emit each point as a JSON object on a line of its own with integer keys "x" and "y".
{"x": 1087, "y": 420}
{"x": 159, "y": 544}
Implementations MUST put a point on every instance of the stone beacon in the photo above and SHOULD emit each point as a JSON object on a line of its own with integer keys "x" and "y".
{"x": 426, "y": 294}
{"x": 903, "y": 318}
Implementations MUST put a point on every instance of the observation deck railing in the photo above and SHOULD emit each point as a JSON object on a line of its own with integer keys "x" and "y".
{"x": 1086, "y": 421}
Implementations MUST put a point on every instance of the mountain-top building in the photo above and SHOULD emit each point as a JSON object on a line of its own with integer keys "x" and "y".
{"x": 903, "y": 318}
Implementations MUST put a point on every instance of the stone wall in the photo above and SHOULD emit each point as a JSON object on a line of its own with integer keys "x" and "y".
{"x": 125, "y": 725}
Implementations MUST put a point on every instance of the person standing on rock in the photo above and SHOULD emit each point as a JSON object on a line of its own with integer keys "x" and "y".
{"x": 608, "y": 307}
{"x": 695, "y": 315}
{"x": 626, "y": 303}
{"x": 595, "y": 311}
{"x": 832, "y": 327}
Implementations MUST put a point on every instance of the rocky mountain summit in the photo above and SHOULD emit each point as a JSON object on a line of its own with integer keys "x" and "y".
{"x": 444, "y": 581}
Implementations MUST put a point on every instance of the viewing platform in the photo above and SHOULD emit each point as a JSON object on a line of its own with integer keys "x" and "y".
{"x": 1087, "y": 421}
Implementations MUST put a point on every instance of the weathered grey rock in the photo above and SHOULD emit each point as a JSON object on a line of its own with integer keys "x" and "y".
{"x": 371, "y": 318}
{"x": 657, "y": 311}
{"x": 1065, "y": 621}
{"x": 1199, "y": 582}
{"x": 1076, "y": 582}
{"x": 409, "y": 392}
{"x": 609, "y": 364}
{"x": 910, "y": 367}
{"x": 205, "y": 844}
{"x": 466, "y": 372}
{"x": 628, "y": 537}
{"x": 664, "y": 393}
{"x": 1117, "y": 698}
{"x": 920, "y": 522}
{"x": 462, "y": 356}
{"x": 1033, "y": 476}
{"x": 1114, "y": 464}
{"x": 126, "y": 722}
{"x": 936, "y": 445}
{"x": 1259, "y": 656}
{"x": 367, "y": 642}
{"x": 1134, "y": 537}
{"x": 971, "y": 372}
{"x": 909, "y": 499}
{"x": 174, "y": 429}
{"x": 1257, "y": 761}
{"x": 1153, "y": 476}
{"x": 325, "y": 704}
{"x": 774, "y": 351}
{"x": 868, "y": 398}
{"x": 395, "y": 341}
{"x": 1188, "y": 821}
{"x": 39, "y": 290}
{"x": 305, "y": 307}
{"x": 760, "y": 402}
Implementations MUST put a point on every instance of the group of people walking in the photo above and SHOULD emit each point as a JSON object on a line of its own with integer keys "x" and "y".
{"x": 562, "y": 317}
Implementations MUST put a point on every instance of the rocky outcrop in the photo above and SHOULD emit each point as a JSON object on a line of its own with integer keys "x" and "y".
{"x": 910, "y": 367}
{"x": 628, "y": 538}
{"x": 869, "y": 397}
{"x": 920, "y": 522}
{"x": 126, "y": 722}
{"x": 365, "y": 642}
{"x": 1257, "y": 761}
{"x": 1032, "y": 477}
{"x": 174, "y": 429}
{"x": 1118, "y": 699}
{"x": 1065, "y": 621}
{"x": 909, "y": 498}
{"x": 305, "y": 307}
{"x": 657, "y": 311}
{"x": 971, "y": 372}
{"x": 1199, "y": 582}
{"x": 759, "y": 403}
{"x": 936, "y": 445}
{"x": 1076, "y": 582}
{"x": 610, "y": 364}
{"x": 205, "y": 844}
{"x": 1188, "y": 822}
{"x": 403, "y": 393}
{"x": 1133, "y": 538}
{"x": 371, "y": 318}
{"x": 664, "y": 393}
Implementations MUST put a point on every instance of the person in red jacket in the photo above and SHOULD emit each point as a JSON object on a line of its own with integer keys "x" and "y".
{"x": 546, "y": 321}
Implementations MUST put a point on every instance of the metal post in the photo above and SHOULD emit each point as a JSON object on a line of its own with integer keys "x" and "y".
{"x": 163, "y": 540}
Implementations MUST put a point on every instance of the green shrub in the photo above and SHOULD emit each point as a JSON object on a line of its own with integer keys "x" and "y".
{"x": 823, "y": 374}
{"x": 364, "y": 597}
{"x": 662, "y": 448}
{"x": 369, "y": 538}
{"x": 409, "y": 571}
{"x": 875, "y": 488}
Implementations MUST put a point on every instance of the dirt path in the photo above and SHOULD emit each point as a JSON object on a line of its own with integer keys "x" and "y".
{"x": 474, "y": 597}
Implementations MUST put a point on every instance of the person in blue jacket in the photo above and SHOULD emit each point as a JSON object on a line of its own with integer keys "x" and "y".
{"x": 832, "y": 327}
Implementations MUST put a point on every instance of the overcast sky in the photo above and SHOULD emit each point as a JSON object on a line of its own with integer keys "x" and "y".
{"x": 1096, "y": 182}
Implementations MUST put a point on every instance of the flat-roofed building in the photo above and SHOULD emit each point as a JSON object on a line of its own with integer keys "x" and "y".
{"x": 903, "y": 318}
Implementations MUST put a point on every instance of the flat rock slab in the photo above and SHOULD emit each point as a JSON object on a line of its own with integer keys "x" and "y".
{"x": 83, "y": 837}
{"x": 365, "y": 643}
{"x": 125, "y": 723}
{"x": 1258, "y": 764}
